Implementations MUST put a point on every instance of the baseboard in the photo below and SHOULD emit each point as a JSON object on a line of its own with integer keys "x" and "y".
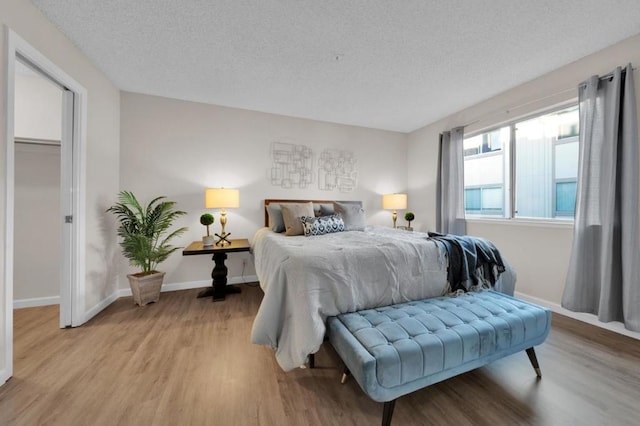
{"x": 36, "y": 301}
{"x": 614, "y": 326}
{"x": 124, "y": 292}
{"x": 100, "y": 306}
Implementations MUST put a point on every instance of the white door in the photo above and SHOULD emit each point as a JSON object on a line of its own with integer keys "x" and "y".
{"x": 66, "y": 208}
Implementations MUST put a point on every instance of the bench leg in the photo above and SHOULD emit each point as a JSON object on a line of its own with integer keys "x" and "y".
{"x": 345, "y": 374}
{"x": 534, "y": 361}
{"x": 387, "y": 412}
{"x": 312, "y": 360}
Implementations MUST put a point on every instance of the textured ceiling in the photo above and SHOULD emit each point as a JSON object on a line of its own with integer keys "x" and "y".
{"x": 395, "y": 65}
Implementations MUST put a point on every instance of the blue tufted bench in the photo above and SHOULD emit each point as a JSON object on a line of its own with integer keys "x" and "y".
{"x": 394, "y": 350}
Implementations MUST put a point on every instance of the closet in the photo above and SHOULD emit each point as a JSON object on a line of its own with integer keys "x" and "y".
{"x": 37, "y": 230}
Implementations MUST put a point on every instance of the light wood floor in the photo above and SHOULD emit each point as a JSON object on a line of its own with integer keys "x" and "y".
{"x": 188, "y": 361}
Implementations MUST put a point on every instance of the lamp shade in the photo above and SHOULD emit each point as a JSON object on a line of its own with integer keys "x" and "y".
{"x": 394, "y": 201}
{"x": 221, "y": 198}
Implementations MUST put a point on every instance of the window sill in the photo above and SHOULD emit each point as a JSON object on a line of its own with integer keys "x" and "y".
{"x": 542, "y": 223}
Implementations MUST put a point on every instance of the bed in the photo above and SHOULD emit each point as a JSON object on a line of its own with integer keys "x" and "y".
{"x": 307, "y": 279}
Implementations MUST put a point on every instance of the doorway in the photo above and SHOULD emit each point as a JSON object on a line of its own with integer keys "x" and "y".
{"x": 37, "y": 171}
{"x": 70, "y": 216}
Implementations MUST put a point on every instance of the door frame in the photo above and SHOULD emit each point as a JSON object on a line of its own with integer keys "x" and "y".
{"x": 72, "y": 287}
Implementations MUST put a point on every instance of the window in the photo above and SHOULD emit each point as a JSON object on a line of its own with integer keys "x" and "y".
{"x": 486, "y": 142}
{"x": 485, "y": 200}
{"x": 565, "y": 198}
{"x": 484, "y": 172}
{"x": 538, "y": 157}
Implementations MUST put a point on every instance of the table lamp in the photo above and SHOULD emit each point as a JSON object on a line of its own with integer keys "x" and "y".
{"x": 222, "y": 198}
{"x": 394, "y": 202}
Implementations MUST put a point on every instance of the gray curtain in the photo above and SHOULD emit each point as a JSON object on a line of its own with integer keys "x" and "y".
{"x": 450, "y": 186}
{"x": 604, "y": 270}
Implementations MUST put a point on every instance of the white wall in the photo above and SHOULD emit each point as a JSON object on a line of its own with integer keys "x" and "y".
{"x": 103, "y": 140}
{"x": 38, "y": 107}
{"x": 539, "y": 253}
{"x": 36, "y": 225}
{"x": 38, "y": 115}
{"x": 178, "y": 149}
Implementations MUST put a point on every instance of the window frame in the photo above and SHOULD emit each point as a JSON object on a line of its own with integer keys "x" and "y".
{"x": 509, "y": 172}
{"x": 560, "y": 214}
{"x": 482, "y": 188}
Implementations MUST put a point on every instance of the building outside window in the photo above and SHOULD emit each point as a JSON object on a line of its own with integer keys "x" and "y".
{"x": 537, "y": 156}
{"x": 484, "y": 172}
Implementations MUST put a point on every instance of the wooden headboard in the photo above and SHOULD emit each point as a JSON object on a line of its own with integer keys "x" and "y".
{"x": 268, "y": 201}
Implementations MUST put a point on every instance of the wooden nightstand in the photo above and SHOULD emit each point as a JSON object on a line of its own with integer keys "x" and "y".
{"x": 219, "y": 288}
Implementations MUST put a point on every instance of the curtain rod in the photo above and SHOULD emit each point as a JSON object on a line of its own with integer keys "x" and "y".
{"x": 607, "y": 76}
{"x": 36, "y": 141}
{"x": 533, "y": 101}
{"x": 516, "y": 107}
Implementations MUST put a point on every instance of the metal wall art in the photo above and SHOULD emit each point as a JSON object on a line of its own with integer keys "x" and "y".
{"x": 337, "y": 170}
{"x": 293, "y": 167}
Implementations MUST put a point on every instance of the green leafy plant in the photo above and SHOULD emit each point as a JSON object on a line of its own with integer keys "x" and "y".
{"x": 145, "y": 231}
{"x": 409, "y": 216}
{"x": 206, "y": 220}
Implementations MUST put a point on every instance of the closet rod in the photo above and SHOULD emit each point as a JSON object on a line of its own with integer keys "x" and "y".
{"x": 36, "y": 141}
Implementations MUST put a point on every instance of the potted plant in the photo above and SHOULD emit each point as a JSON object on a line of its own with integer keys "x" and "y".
{"x": 409, "y": 216}
{"x": 145, "y": 234}
{"x": 206, "y": 220}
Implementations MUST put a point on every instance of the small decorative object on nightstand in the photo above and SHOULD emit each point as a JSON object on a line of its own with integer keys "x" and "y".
{"x": 394, "y": 202}
{"x": 206, "y": 220}
{"x": 409, "y": 216}
{"x": 222, "y": 198}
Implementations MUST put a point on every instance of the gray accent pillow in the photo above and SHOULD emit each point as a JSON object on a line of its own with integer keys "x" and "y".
{"x": 291, "y": 213}
{"x": 352, "y": 214}
{"x": 326, "y": 209}
{"x": 276, "y": 221}
{"x": 316, "y": 210}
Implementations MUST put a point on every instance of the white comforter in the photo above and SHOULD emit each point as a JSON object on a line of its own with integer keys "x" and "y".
{"x": 307, "y": 279}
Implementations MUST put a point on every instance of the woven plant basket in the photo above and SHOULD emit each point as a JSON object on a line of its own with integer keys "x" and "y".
{"x": 146, "y": 288}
